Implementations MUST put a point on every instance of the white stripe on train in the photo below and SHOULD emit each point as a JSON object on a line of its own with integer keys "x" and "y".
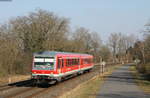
{"x": 64, "y": 74}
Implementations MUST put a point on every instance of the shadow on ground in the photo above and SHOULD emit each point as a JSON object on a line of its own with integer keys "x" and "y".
{"x": 29, "y": 83}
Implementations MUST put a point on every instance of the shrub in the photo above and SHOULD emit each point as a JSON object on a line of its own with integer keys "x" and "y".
{"x": 147, "y": 68}
{"x": 141, "y": 68}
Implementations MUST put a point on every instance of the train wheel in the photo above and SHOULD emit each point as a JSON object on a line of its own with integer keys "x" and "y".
{"x": 59, "y": 79}
{"x": 53, "y": 82}
{"x": 34, "y": 82}
{"x": 89, "y": 70}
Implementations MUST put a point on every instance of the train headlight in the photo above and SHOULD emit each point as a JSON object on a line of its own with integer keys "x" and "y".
{"x": 34, "y": 72}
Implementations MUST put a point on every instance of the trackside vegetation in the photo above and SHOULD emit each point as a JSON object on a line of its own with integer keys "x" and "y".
{"x": 142, "y": 80}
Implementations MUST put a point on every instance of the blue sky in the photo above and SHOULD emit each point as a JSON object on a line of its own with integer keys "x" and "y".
{"x": 103, "y": 16}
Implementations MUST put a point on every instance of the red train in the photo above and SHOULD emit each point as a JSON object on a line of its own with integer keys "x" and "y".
{"x": 54, "y": 66}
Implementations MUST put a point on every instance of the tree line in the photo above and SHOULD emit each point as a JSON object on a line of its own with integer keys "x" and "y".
{"x": 141, "y": 52}
{"x": 42, "y": 30}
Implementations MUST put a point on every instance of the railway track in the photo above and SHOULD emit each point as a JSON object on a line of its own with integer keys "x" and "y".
{"x": 52, "y": 87}
{"x": 6, "y": 88}
{"x": 56, "y": 90}
{"x": 5, "y": 91}
{"x": 38, "y": 90}
{"x": 31, "y": 90}
{"x": 20, "y": 92}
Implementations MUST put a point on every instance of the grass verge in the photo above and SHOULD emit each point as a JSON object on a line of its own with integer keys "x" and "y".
{"x": 90, "y": 88}
{"x": 142, "y": 83}
{"x": 15, "y": 78}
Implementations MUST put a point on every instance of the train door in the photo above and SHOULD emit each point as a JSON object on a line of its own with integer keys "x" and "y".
{"x": 60, "y": 65}
{"x": 82, "y": 63}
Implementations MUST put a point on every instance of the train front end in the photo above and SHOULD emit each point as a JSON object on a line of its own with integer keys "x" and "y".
{"x": 43, "y": 67}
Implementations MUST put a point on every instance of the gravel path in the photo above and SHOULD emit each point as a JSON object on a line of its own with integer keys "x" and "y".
{"x": 121, "y": 84}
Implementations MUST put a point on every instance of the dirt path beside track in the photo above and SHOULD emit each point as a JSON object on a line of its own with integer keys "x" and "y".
{"x": 121, "y": 84}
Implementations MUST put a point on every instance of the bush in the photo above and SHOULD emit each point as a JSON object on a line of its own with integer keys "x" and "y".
{"x": 147, "y": 68}
{"x": 144, "y": 69}
{"x": 141, "y": 68}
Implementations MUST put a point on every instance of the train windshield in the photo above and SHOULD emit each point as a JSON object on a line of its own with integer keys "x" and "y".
{"x": 43, "y": 63}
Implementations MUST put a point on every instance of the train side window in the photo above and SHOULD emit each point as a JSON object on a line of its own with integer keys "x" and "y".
{"x": 72, "y": 62}
{"x": 67, "y": 62}
{"x": 78, "y": 61}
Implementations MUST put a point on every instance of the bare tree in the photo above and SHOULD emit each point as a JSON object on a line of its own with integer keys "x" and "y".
{"x": 81, "y": 39}
{"x": 119, "y": 44}
{"x": 96, "y": 44}
{"x": 105, "y": 53}
{"x": 41, "y": 30}
{"x": 113, "y": 43}
{"x": 9, "y": 50}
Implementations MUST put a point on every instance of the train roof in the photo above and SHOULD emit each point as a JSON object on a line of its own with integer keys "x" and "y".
{"x": 54, "y": 53}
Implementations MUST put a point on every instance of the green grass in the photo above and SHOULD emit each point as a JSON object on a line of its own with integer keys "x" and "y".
{"x": 141, "y": 81}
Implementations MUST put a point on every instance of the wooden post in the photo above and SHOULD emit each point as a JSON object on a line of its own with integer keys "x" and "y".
{"x": 100, "y": 68}
{"x": 9, "y": 79}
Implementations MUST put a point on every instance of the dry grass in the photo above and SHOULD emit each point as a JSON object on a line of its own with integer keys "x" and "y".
{"x": 85, "y": 90}
{"x": 5, "y": 80}
{"x": 90, "y": 88}
{"x": 142, "y": 83}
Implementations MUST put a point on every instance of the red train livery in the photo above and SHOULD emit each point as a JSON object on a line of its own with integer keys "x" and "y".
{"x": 54, "y": 66}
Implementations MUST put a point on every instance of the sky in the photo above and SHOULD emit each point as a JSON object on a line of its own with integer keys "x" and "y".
{"x": 102, "y": 16}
